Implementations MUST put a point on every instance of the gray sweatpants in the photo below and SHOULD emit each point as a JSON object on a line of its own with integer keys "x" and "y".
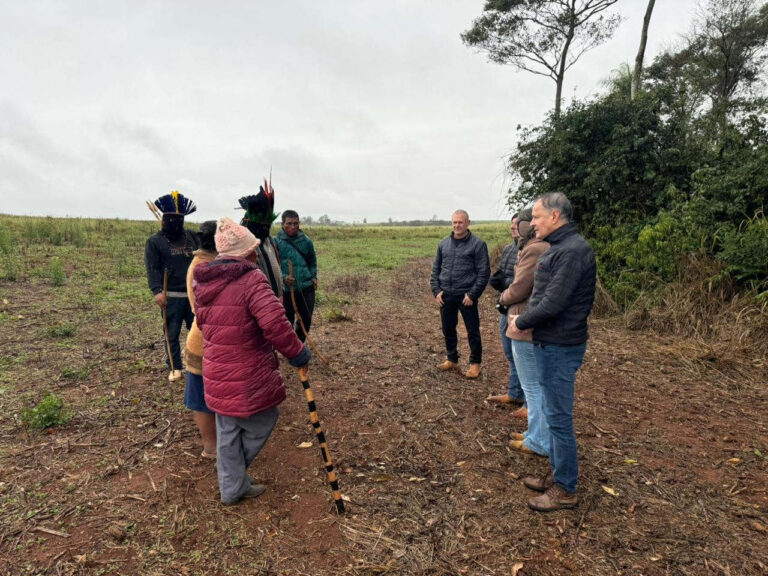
{"x": 238, "y": 441}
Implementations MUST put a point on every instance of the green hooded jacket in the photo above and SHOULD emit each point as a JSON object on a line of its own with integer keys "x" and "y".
{"x": 301, "y": 252}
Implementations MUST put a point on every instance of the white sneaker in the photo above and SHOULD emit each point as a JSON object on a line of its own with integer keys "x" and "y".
{"x": 174, "y": 375}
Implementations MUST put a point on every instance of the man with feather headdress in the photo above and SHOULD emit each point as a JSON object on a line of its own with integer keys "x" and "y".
{"x": 259, "y": 215}
{"x": 167, "y": 255}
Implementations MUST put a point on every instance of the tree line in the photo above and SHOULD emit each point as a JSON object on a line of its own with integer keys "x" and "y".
{"x": 671, "y": 160}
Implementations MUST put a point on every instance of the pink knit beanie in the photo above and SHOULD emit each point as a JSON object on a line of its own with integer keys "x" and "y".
{"x": 234, "y": 240}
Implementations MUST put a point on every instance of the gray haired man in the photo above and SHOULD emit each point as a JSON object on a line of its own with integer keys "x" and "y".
{"x": 562, "y": 298}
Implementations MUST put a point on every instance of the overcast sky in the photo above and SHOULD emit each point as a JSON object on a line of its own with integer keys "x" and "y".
{"x": 363, "y": 108}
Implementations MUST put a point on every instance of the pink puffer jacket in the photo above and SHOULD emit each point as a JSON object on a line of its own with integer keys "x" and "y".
{"x": 241, "y": 320}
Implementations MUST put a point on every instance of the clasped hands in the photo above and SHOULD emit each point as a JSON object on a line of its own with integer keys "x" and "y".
{"x": 467, "y": 301}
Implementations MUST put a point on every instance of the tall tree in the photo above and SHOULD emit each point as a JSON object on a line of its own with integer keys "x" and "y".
{"x": 729, "y": 48}
{"x": 638, "y": 71}
{"x": 544, "y": 37}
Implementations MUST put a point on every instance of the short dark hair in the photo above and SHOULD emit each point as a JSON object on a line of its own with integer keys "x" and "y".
{"x": 289, "y": 214}
{"x": 557, "y": 201}
{"x": 207, "y": 235}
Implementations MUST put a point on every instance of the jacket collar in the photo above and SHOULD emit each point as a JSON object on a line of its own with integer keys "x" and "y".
{"x": 283, "y": 236}
{"x": 561, "y": 233}
{"x": 467, "y": 237}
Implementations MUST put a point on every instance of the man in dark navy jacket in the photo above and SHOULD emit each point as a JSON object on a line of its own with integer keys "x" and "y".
{"x": 460, "y": 273}
{"x": 562, "y": 298}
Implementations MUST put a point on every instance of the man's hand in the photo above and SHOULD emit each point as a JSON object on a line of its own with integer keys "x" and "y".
{"x": 513, "y": 326}
{"x": 439, "y": 298}
{"x": 161, "y": 300}
{"x": 314, "y": 283}
{"x": 467, "y": 300}
{"x": 290, "y": 280}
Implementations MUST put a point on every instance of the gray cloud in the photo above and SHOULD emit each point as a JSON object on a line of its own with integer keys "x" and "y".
{"x": 364, "y": 109}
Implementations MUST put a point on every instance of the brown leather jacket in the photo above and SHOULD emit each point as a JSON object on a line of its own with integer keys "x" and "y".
{"x": 517, "y": 294}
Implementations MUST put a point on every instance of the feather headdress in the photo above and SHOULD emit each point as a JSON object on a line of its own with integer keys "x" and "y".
{"x": 175, "y": 203}
{"x": 259, "y": 208}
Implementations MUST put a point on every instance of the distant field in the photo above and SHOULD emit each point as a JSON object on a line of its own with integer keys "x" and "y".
{"x": 28, "y": 244}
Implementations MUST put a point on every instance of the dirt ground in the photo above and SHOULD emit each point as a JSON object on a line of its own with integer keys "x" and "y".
{"x": 673, "y": 448}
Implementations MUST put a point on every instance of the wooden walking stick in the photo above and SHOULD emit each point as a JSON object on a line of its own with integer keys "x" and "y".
{"x": 321, "y": 440}
{"x": 165, "y": 320}
{"x": 301, "y": 321}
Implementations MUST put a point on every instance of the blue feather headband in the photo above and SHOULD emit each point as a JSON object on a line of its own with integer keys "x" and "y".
{"x": 175, "y": 203}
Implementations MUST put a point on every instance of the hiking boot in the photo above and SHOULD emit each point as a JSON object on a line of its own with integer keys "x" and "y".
{"x": 516, "y": 436}
{"x": 518, "y": 445}
{"x": 539, "y": 483}
{"x": 521, "y": 413}
{"x": 473, "y": 372}
{"x": 504, "y": 399}
{"x": 174, "y": 375}
{"x": 254, "y": 491}
{"x": 555, "y": 498}
{"x": 448, "y": 365}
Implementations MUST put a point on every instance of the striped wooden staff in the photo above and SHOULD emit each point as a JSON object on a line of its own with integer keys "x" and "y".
{"x": 301, "y": 321}
{"x": 321, "y": 440}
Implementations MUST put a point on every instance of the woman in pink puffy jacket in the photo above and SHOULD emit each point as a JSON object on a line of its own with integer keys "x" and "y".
{"x": 243, "y": 323}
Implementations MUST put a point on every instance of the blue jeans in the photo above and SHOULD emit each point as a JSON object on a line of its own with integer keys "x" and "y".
{"x": 537, "y": 436}
{"x": 178, "y": 312}
{"x": 514, "y": 390}
{"x": 557, "y": 366}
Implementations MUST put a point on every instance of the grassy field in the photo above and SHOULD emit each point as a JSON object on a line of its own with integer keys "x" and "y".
{"x": 82, "y": 259}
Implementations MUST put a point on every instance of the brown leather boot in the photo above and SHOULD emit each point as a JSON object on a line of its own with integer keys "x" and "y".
{"x": 518, "y": 445}
{"x": 539, "y": 483}
{"x": 516, "y": 436}
{"x": 448, "y": 365}
{"x": 555, "y": 498}
{"x": 521, "y": 413}
{"x": 504, "y": 399}
{"x": 473, "y": 372}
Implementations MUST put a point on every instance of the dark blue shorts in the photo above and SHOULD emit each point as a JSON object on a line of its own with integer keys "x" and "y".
{"x": 194, "y": 394}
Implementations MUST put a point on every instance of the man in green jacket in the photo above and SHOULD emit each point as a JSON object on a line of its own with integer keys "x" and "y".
{"x": 295, "y": 247}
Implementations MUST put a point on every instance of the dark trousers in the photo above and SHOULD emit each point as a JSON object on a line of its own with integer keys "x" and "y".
{"x": 178, "y": 312}
{"x": 305, "y": 302}
{"x": 449, "y": 315}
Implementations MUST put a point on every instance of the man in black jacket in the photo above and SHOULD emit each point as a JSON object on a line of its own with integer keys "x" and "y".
{"x": 460, "y": 273}
{"x": 562, "y": 298}
{"x": 167, "y": 255}
{"x": 500, "y": 281}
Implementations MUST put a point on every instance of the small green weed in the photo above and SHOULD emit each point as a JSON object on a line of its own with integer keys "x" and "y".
{"x": 47, "y": 413}
{"x": 61, "y": 331}
{"x": 336, "y": 315}
{"x": 75, "y": 373}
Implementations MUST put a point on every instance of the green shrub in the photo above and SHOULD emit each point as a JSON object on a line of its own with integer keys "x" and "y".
{"x": 745, "y": 251}
{"x": 47, "y": 413}
{"x": 6, "y": 241}
{"x": 56, "y": 272}
{"x": 10, "y": 266}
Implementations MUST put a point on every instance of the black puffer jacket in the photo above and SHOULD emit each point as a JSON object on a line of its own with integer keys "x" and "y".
{"x": 505, "y": 275}
{"x": 563, "y": 290}
{"x": 461, "y": 267}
